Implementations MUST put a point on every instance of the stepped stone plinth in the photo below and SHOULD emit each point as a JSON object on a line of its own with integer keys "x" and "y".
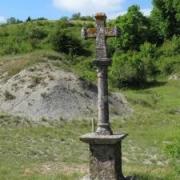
{"x": 105, "y": 156}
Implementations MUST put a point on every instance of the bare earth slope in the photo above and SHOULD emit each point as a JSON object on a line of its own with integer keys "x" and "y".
{"x": 44, "y": 91}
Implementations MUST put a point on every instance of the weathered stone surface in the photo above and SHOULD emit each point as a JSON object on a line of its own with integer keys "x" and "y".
{"x": 105, "y": 148}
{"x": 105, "y": 162}
{"x": 43, "y": 91}
{"x": 94, "y": 138}
{"x": 102, "y": 62}
{"x": 105, "y": 156}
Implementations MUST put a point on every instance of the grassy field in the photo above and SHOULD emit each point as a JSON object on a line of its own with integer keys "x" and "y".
{"x": 53, "y": 151}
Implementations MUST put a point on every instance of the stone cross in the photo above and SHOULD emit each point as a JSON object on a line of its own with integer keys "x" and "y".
{"x": 101, "y": 32}
{"x": 104, "y": 146}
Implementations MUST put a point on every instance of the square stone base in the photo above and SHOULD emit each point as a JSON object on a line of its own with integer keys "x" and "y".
{"x": 105, "y": 156}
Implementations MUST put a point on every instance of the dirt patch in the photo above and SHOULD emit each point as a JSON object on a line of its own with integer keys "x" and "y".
{"x": 52, "y": 167}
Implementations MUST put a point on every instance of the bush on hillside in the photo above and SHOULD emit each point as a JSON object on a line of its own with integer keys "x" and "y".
{"x": 15, "y": 46}
{"x": 127, "y": 70}
{"x": 37, "y": 33}
{"x": 13, "y": 20}
{"x": 66, "y": 42}
{"x": 149, "y": 56}
{"x": 134, "y": 29}
{"x": 169, "y": 65}
{"x": 135, "y": 68}
{"x": 170, "y": 47}
{"x": 35, "y": 36}
{"x": 172, "y": 150}
{"x": 169, "y": 60}
{"x": 11, "y": 47}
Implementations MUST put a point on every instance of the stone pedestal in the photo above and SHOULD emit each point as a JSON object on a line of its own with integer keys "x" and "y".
{"x": 105, "y": 156}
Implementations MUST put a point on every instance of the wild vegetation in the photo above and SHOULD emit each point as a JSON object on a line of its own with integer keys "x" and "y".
{"x": 144, "y": 50}
{"x": 53, "y": 150}
{"x": 145, "y": 56}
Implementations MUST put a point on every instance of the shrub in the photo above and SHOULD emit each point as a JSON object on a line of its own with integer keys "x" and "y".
{"x": 169, "y": 61}
{"x": 66, "y": 42}
{"x": 127, "y": 70}
{"x": 37, "y": 33}
{"x": 134, "y": 28}
{"x": 62, "y": 41}
{"x": 135, "y": 68}
{"x": 148, "y": 53}
{"x": 35, "y": 36}
{"x": 172, "y": 149}
{"x": 11, "y": 46}
{"x": 170, "y": 47}
{"x": 169, "y": 65}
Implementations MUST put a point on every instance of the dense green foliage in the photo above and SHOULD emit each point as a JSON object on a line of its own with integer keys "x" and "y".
{"x": 146, "y": 48}
{"x": 134, "y": 28}
{"x": 63, "y": 40}
{"x": 166, "y": 17}
{"x": 134, "y": 68}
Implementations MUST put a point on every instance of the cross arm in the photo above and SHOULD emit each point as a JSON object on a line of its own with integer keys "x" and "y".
{"x": 112, "y": 32}
{"x": 92, "y": 32}
{"x": 88, "y": 33}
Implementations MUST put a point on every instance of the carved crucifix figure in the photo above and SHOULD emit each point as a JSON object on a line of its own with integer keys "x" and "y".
{"x": 102, "y": 62}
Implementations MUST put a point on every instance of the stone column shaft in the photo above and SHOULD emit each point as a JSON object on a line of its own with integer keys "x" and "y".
{"x": 103, "y": 106}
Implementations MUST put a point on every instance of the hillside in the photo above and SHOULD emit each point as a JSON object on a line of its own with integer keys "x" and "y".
{"x": 44, "y": 91}
{"x": 136, "y": 65}
{"x": 47, "y": 79}
{"x": 53, "y": 151}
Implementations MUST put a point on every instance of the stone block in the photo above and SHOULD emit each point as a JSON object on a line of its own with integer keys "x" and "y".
{"x": 105, "y": 156}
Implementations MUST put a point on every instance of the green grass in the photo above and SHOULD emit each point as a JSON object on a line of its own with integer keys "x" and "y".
{"x": 28, "y": 151}
{"x": 154, "y": 128}
{"x": 54, "y": 151}
{"x": 13, "y": 64}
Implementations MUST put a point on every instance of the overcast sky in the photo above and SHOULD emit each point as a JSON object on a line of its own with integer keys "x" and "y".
{"x": 54, "y": 9}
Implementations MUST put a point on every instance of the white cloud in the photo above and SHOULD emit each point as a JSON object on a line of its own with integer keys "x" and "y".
{"x": 115, "y": 15}
{"x": 89, "y": 7}
{"x": 147, "y": 11}
{"x": 2, "y": 19}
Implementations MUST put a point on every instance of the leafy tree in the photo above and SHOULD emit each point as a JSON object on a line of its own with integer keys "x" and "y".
{"x": 169, "y": 60}
{"x": 165, "y": 17}
{"x": 64, "y": 18}
{"x": 87, "y": 18}
{"x": 64, "y": 41}
{"x": 13, "y": 20}
{"x": 41, "y": 19}
{"x": 134, "y": 28}
{"x": 76, "y": 16}
{"x": 135, "y": 68}
{"x": 149, "y": 55}
{"x": 170, "y": 47}
{"x": 127, "y": 70}
{"x": 62, "y": 24}
{"x": 37, "y": 33}
{"x": 28, "y": 19}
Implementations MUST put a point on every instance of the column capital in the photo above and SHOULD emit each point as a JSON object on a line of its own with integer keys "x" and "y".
{"x": 100, "y": 16}
{"x": 93, "y": 138}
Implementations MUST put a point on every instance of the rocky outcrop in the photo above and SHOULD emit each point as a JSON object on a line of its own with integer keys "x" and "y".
{"x": 44, "y": 91}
